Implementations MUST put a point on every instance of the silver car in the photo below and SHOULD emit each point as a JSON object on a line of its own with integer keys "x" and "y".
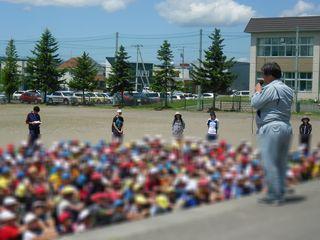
{"x": 64, "y": 97}
{"x": 3, "y": 98}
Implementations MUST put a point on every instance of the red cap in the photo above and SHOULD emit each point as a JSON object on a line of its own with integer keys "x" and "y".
{"x": 203, "y": 182}
{"x": 99, "y": 196}
{"x": 10, "y": 148}
{"x": 96, "y": 176}
{"x": 64, "y": 216}
{"x": 40, "y": 190}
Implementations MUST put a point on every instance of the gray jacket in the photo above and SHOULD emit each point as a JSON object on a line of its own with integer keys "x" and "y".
{"x": 273, "y": 103}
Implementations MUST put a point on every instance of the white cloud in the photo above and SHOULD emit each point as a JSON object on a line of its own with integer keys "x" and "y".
{"x": 302, "y": 8}
{"x": 108, "y": 5}
{"x": 27, "y": 9}
{"x": 204, "y": 12}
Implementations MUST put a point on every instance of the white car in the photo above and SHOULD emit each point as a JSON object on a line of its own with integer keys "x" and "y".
{"x": 189, "y": 96}
{"x": 108, "y": 97}
{"x": 99, "y": 97}
{"x": 16, "y": 95}
{"x": 65, "y": 97}
{"x": 207, "y": 95}
{"x": 241, "y": 93}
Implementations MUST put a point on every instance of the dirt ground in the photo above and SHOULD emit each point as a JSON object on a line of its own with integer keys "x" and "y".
{"x": 92, "y": 124}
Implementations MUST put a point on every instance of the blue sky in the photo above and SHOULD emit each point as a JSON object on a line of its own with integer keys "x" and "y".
{"x": 90, "y": 25}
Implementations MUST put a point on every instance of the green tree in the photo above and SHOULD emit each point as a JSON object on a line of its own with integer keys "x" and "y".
{"x": 84, "y": 75}
{"x": 10, "y": 76}
{"x": 214, "y": 75}
{"x": 119, "y": 78}
{"x": 42, "y": 67}
{"x": 164, "y": 76}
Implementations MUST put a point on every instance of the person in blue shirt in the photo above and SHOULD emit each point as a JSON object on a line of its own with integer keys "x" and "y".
{"x": 34, "y": 121}
{"x": 273, "y": 104}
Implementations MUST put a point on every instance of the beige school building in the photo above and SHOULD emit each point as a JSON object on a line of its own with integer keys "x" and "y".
{"x": 274, "y": 39}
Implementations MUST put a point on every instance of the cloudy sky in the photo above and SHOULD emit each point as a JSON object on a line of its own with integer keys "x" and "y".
{"x": 90, "y": 25}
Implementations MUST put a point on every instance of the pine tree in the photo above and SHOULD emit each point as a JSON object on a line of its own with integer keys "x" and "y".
{"x": 164, "y": 77}
{"x": 214, "y": 75}
{"x": 10, "y": 76}
{"x": 119, "y": 78}
{"x": 42, "y": 68}
{"x": 84, "y": 75}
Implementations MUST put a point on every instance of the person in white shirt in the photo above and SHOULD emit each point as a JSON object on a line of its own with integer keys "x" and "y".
{"x": 213, "y": 126}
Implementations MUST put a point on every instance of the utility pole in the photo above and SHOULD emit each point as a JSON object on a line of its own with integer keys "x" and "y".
{"x": 117, "y": 43}
{"x": 200, "y": 60}
{"x": 296, "y": 69}
{"x": 182, "y": 63}
{"x": 137, "y": 65}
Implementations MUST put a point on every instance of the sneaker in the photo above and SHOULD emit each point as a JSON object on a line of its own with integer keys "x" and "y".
{"x": 271, "y": 201}
{"x": 279, "y": 202}
{"x": 266, "y": 200}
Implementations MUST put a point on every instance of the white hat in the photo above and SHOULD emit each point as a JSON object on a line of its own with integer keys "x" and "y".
{"x": 9, "y": 201}
{"x": 119, "y": 111}
{"x": 177, "y": 113}
{"x": 29, "y": 218}
{"x": 83, "y": 214}
{"x": 6, "y": 215}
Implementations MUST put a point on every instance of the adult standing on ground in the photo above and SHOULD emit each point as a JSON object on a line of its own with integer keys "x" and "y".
{"x": 117, "y": 126}
{"x": 273, "y": 103}
{"x": 305, "y": 132}
{"x": 34, "y": 122}
{"x": 178, "y": 126}
{"x": 213, "y": 126}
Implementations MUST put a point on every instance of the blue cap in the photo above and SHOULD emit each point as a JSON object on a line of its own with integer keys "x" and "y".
{"x": 118, "y": 203}
{"x": 5, "y": 170}
{"x": 216, "y": 176}
{"x": 81, "y": 179}
{"x": 66, "y": 176}
{"x": 20, "y": 175}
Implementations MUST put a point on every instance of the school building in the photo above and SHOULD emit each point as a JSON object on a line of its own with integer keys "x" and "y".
{"x": 274, "y": 39}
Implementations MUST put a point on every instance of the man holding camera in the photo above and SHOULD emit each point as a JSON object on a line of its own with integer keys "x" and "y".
{"x": 273, "y": 103}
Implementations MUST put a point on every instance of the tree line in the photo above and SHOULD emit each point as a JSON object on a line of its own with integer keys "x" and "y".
{"x": 43, "y": 73}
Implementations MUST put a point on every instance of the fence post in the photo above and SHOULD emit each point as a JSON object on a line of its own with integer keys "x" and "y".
{"x": 232, "y": 108}
{"x": 240, "y": 105}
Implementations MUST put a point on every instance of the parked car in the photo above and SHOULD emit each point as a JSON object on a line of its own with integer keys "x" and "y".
{"x": 93, "y": 97}
{"x": 128, "y": 99}
{"x": 189, "y": 96}
{"x": 87, "y": 98}
{"x": 100, "y": 98}
{"x": 65, "y": 97}
{"x": 177, "y": 96}
{"x": 30, "y": 97}
{"x": 241, "y": 93}
{"x": 3, "y": 98}
{"x": 16, "y": 95}
{"x": 207, "y": 95}
{"x": 34, "y": 91}
{"x": 108, "y": 97}
{"x": 153, "y": 97}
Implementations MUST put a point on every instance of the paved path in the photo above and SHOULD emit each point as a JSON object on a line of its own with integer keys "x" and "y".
{"x": 242, "y": 219}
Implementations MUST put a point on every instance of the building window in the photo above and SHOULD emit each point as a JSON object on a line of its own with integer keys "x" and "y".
{"x": 285, "y": 46}
{"x": 304, "y": 81}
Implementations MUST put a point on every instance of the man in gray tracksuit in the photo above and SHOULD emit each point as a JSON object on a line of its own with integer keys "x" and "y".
{"x": 273, "y": 104}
